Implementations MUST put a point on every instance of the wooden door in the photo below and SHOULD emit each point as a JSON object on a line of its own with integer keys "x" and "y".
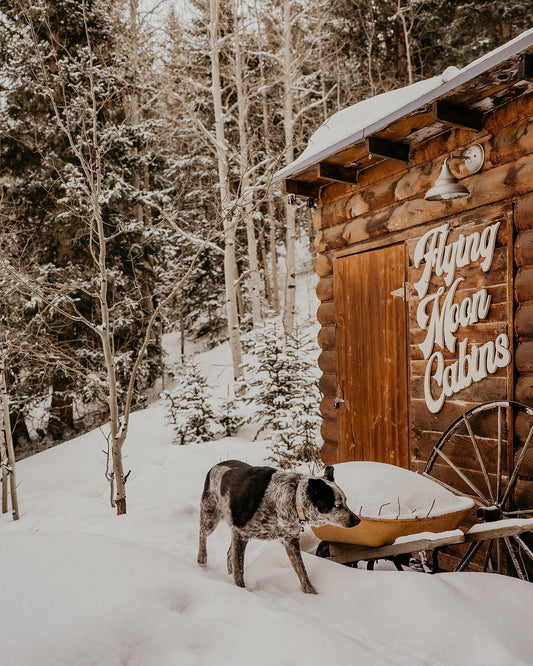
{"x": 371, "y": 348}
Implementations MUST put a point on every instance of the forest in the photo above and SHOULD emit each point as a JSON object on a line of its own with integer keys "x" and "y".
{"x": 137, "y": 146}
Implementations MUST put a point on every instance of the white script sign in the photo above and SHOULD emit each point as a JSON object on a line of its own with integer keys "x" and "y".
{"x": 441, "y": 315}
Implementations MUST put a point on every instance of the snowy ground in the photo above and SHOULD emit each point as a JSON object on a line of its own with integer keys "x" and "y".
{"x": 83, "y": 587}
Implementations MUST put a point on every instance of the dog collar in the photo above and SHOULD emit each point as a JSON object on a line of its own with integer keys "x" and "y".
{"x": 299, "y": 506}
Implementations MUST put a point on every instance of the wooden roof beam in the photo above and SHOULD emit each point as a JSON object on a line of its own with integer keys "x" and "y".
{"x": 525, "y": 71}
{"x": 300, "y": 188}
{"x": 336, "y": 173}
{"x": 393, "y": 150}
{"x": 458, "y": 115}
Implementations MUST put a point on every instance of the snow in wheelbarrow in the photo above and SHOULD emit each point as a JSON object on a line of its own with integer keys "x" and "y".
{"x": 392, "y": 502}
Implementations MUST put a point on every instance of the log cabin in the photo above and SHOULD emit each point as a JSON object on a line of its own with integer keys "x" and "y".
{"x": 424, "y": 239}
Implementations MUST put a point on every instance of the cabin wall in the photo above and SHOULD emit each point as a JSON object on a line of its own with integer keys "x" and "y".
{"x": 388, "y": 207}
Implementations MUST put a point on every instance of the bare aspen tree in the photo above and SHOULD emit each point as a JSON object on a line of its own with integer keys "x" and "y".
{"x": 91, "y": 151}
{"x": 272, "y": 279}
{"x": 7, "y": 453}
{"x": 226, "y": 205}
{"x": 287, "y": 60}
{"x": 246, "y": 190}
{"x": 407, "y": 14}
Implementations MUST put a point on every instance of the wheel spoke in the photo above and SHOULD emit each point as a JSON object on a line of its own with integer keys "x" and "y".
{"x": 517, "y": 467}
{"x": 467, "y": 557}
{"x": 487, "y": 557}
{"x": 523, "y": 545}
{"x": 463, "y": 476}
{"x": 499, "y": 467}
{"x": 516, "y": 564}
{"x": 480, "y": 459}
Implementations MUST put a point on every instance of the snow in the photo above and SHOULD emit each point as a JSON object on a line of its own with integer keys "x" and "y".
{"x": 520, "y": 523}
{"x": 456, "y": 535}
{"x": 84, "y": 587}
{"x": 359, "y": 116}
{"x": 376, "y": 489}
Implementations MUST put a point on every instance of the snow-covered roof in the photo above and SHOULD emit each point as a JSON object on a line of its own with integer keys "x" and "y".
{"x": 350, "y": 125}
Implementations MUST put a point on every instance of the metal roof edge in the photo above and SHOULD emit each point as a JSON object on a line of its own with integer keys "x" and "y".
{"x": 477, "y": 67}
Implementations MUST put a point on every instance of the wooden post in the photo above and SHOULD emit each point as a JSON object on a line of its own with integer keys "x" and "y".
{"x": 10, "y": 458}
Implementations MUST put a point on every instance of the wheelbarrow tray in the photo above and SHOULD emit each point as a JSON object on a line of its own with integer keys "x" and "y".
{"x": 381, "y": 531}
{"x": 410, "y": 502}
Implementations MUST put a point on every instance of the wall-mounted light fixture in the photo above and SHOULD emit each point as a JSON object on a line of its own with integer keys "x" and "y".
{"x": 447, "y": 186}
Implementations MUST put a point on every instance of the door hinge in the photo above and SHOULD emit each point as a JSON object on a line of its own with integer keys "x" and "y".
{"x": 401, "y": 292}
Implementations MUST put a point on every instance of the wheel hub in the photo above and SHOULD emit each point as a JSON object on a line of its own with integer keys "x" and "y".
{"x": 489, "y": 513}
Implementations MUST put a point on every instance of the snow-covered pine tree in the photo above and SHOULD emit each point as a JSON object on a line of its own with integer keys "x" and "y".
{"x": 191, "y": 409}
{"x": 282, "y": 386}
{"x": 60, "y": 59}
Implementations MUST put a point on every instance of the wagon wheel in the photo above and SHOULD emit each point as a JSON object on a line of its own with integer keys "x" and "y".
{"x": 487, "y": 454}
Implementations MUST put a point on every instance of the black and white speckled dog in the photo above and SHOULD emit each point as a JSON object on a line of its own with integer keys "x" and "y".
{"x": 266, "y": 503}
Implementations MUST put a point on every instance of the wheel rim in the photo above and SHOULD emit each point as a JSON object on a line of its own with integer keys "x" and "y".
{"x": 496, "y": 440}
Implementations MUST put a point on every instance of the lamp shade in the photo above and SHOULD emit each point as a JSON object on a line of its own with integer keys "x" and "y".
{"x": 446, "y": 186}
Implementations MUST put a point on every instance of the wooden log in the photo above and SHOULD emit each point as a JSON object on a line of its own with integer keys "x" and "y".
{"x": 423, "y": 419}
{"x": 492, "y": 186}
{"x": 330, "y": 430}
{"x": 327, "y": 409}
{"x": 326, "y": 337}
{"x": 492, "y": 388}
{"x": 326, "y": 313}
{"x": 523, "y": 286}
{"x": 524, "y": 389}
{"x": 458, "y": 448}
{"x": 324, "y": 265}
{"x": 509, "y": 145}
{"x": 523, "y": 425}
{"x": 324, "y": 288}
{"x": 329, "y": 453}
{"x": 327, "y": 362}
{"x": 327, "y": 240}
{"x": 524, "y": 357}
{"x": 523, "y": 322}
{"x": 523, "y": 248}
{"x": 523, "y": 213}
{"x": 505, "y": 121}
{"x": 328, "y": 385}
{"x": 478, "y": 333}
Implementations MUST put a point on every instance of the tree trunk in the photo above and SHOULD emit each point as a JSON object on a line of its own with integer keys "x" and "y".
{"x": 61, "y": 419}
{"x": 271, "y": 207}
{"x": 228, "y": 220}
{"x": 288, "y": 82}
{"x": 9, "y": 446}
{"x": 244, "y": 158}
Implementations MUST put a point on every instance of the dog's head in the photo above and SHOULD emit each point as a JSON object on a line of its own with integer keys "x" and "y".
{"x": 325, "y": 503}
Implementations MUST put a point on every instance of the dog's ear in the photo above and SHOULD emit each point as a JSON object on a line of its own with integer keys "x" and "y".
{"x": 321, "y": 495}
{"x": 328, "y": 473}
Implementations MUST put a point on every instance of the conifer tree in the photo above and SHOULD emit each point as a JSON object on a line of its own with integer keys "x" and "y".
{"x": 282, "y": 387}
{"x": 191, "y": 409}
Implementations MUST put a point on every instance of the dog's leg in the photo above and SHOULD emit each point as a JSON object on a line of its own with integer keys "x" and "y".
{"x": 238, "y": 546}
{"x": 292, "y": 546}
{"x": 209, "y": 518}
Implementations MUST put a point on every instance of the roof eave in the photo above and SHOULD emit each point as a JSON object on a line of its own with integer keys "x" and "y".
{"x": 500, "y": 55}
